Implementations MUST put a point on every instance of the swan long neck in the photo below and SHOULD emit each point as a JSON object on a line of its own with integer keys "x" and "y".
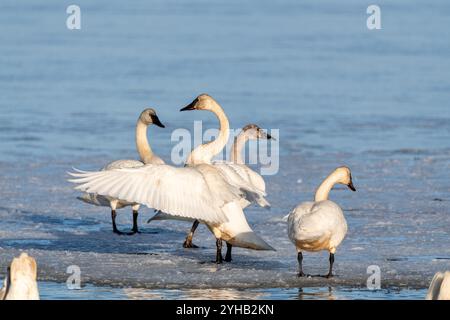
{"x": 216, "y": 146}
{"x": 205, "y": 152}
{"x": 142, "y": 145}
{"x": 325, "y": 187}
{"x": 238, "y": 145}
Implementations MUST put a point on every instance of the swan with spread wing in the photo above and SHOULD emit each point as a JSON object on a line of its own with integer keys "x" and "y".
{"x": 199, "y": 191}
{"x": 146, "y": 118}
{"x": 236, "y": 165}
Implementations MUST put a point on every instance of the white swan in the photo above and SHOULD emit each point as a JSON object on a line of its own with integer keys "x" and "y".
{"x": 20, "y": 282}
{"x": 199, "y": 191}
{"x": 439, "y": 287}
{"x": 238, "y": 232}
{"x": 146, "y": 118}
{"x": 249, "y": 132}
{"x": 320, "y": 224}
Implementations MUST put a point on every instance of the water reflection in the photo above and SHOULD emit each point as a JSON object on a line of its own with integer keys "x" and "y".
{"x": 316, "y": 294}
{"x": 52, "y": 290}
{"x": 195, "y": 294}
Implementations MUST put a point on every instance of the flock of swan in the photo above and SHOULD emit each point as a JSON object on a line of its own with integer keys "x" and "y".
{"x": 203, "y": 191}
{"x": 214, "y": 193}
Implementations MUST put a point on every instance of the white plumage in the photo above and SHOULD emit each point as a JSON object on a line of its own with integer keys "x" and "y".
{"x": 315, "y": 226}
{"x": 320, "y": 224}
{"x": 147, "y": 117}
{"x": 238, "y": 174}
{"x": 197, "y": 192}
{"x": 20, "y": 282}
{"x": 439, "y": 287}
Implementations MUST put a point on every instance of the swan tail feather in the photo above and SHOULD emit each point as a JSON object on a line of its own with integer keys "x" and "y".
{"x": 95, "y": 199}
{"x": 159, "y": 216}
{"x": 250, "y": 240}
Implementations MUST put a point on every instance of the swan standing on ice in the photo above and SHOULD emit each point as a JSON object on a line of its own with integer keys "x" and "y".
{"x": 236, "y": 172}
{"x": 20, "y": 282}
{"x": 439, "y": 287}
{"x": 320, "y": 224}
{"x": 249, "y": 132}
{"x": 147, "y": 117}
{"x": 236, "y": 231}
{"x": 199, "y": 191}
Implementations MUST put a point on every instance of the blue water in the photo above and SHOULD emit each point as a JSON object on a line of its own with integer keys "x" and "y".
{"x": 377, "y": 101}
{"x": 311, "y": 68}
{"x": 58, "y": 291}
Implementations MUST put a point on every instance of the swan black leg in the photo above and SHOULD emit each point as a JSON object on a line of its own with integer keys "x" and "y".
{"x": 219, "y": 258}
{"x": 135, "y": 222}
{"x": 300, "y": 265}
{"x": 330, "y": 272}
{"x": 228, "y": 255}
{"x": 188, "y": 242}
{"x": 113, "y": 218}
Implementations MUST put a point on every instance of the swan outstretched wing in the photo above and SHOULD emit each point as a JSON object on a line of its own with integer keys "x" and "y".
{"x": 189, "y": 192}
{"x": 246, "y": 179}
{"x": 121, "y": 164}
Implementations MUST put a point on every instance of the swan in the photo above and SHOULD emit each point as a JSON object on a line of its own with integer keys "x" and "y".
{"x": 320, "y": 224}
{"x": 248, "y": 132}
{"x": 235, "y": 171}
{"x": 20, "y": 282}
{"x": 146, "y": 118}
{"x": 236, "y": 232}
{"x": 199, "y": 191}
{"x": 439, "y": 287}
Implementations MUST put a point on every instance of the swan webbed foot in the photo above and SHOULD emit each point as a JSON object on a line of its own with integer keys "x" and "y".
{"x": 121, "y": 233}
{"x": 228, "y": 254}
{"x": 188, "y": 242}
{"x": 301, "y": 274}
{"x": 189, "y": 245}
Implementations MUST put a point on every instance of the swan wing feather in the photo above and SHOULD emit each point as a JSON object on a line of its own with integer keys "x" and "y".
{"x": 239, "y": 176}
{"x": 189, "y": 192}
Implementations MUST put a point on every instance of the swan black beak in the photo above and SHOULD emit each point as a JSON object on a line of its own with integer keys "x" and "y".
{"x": 351, "y": 186}
{"x": 190, "y": 106}
{"x": 156, "y": 121}
{"x": 269, "y": 137}
{"x": 265, "y": 135}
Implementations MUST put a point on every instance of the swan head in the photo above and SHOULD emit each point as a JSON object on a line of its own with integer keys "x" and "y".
{"x": 23, "y": 267}
{"x": 21, "y": 279}
{"x": 254, "y": 132}
{"x": 344, "y": 176}
{"x": 202, "y": 102}
{"x": 148, "y": 117}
